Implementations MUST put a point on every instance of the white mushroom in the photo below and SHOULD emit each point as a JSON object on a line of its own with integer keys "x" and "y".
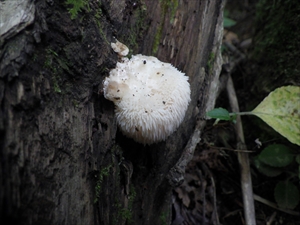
{"x": 150, "y": 96}
{"x": 120, "y": 48}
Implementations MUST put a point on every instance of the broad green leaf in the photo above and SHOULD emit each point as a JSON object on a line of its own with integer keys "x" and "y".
{"x": 265, "y": 169}
{"x": 281, "y": 110}
{"x": 219, "y": 113}
{"x": 286, "y": 194}
{"x": 276, "y": 155}
{"x": 228, "y": 22}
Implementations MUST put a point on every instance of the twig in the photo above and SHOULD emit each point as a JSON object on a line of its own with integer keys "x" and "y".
{"x": 273, "y": 205}
{"x": 230, "y": 149}
{"x": 246, "y": 182}
{"x": 211, "y": 191}
{"x": 271, "y": 219}
{"x": 203, "y": 187}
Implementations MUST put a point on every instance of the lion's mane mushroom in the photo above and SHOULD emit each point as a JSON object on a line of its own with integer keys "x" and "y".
{"x": 150, "y": 96}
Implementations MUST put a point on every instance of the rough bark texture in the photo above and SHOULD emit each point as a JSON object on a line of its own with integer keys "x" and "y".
{"x": 62, "y": 159}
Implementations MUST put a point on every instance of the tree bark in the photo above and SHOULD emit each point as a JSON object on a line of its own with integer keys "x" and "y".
{"x": 63, "y": 161}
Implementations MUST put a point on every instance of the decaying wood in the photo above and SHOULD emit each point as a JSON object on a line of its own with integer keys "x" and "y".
{"x": 62, "y": 159}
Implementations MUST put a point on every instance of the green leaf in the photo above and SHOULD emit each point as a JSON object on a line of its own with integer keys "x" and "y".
{"x": 228, "y": 22}
{"x": 219, "y": 113}
{"x": 286, "y": 194}
{"x": 281, "y": 110}
{"x": 265, "y": 169}
{"x": 276, "y": 155}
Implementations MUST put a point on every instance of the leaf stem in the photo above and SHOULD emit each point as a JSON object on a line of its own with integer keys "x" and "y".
{"x": 241, "y": 113}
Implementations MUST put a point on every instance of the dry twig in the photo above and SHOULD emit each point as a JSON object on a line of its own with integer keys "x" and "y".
{"x": 243, "y": 158}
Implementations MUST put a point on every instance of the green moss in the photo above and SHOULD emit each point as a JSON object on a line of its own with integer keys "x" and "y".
{"x": 104, "y": 172}
{"x": 75, "y": 103}
{"x": 55, "y": 85}
{"x": 157, "y": 38}
{"x": 135, "y": 31}
{"x": 171, "y": 5}
{"x": 211, "y": 61}
{"x": 163, "y": 218}
{"x": 125, "y": 214}
{"x": 76, "y": 6}
{"x": 34, "y": 57}
{"x": 51, "y": 66}
{"x": 276, "y": 42}
{"x": 97, "y": 18}
{"x": 57, "y": 66}
{"x": 131, "y": 197}
{"x": 166, "y": 5}
{"x": 63, "y": 64}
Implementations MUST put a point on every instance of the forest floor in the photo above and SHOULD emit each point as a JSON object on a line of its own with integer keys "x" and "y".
{"x": 211, "y": 192}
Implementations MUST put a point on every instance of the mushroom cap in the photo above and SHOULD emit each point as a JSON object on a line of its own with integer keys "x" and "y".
{"x": 150, "y": 96}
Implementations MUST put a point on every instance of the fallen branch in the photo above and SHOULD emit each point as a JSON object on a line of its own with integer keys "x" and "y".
{"x": 246, "y": 182}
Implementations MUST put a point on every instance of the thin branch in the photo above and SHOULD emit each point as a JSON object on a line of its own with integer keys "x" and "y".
{"x": 246, "y": 182}
{"x": 230, "y": 149}
{"x": 273, "y": 205}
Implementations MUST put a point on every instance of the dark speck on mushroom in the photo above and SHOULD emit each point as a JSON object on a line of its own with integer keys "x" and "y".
{"x": 136, "y": 129}
{"x": 144, "y": 62}
{"x": 164, "y": 102}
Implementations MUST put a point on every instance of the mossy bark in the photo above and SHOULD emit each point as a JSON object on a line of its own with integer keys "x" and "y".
{"x": 276, "y": 46}
{"x": 62, "y": 159}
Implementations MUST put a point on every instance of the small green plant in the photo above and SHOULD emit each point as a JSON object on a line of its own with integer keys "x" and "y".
{"x": 286, "y": 194}
{"x": 103, "y": 173}
{"x": 281, "y": 110}
{"x": 163, "y": 218}
{"x": 273, "y": 161}
{"x": 77, "y": 6}
{"x": 125, "y": 213}
{"x": 56, "y": 85}
{"x": 49, "y": 63}
{"x": 210, "y": 62}
{"x": 227, "y": 22}
{"x": 131, "y": 196}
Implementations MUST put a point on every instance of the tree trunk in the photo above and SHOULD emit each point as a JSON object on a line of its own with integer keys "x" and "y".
{"x": 62, "y": 159}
